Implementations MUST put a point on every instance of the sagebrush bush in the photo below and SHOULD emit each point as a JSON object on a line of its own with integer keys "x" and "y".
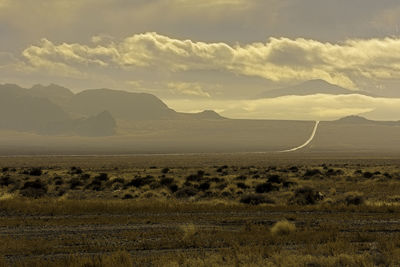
{"x": 306, "y": 196}
{"x": 35, "y": 172}
{"x": 186, "y": 192}
{"x": 275, "y": 179}
{"x": 255, "y": 199}
{"x": 265, "y": 188}
{"x": 34, "y": 189}
{"x": 354, "y": 198}
{"x": 312, "y": 172}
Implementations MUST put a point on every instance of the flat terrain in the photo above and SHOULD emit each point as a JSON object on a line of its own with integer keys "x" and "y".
{"x": 300, "y": 209}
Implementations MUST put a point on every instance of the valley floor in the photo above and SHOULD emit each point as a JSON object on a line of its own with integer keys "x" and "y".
{"x": 205, "y": 210}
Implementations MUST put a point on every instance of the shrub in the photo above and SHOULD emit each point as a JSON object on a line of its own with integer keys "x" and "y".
{"x": 127, "y": 196}
{"x": 242, "y": 185}
{"x": 358, "y": 172}
{"x": 95, "y": 185}
{"x": 75, "y": 170}
{"x": 275, "y": 179}
{"x": 220, "y": 169}
{"x": 140, "y": 181}
{"x": 85, "y": 176}
{"x": 307, "y": 196}
{"x": 311, "y": 173}
{"x": 368, "y": 175}
{"x": 173, "y": 188}
{"x": 265, "y": 188}
{"x": 200, "y": 173}
{"x": 288, "y": 184}
{"x": 194, "y": 178}
{"x": 58, "y": 180}
{"x": 283, "y": 228}
{"x": 204, "y": 186}
{"x": 167, "y": 181}
{"x": 115, "y": 181}
{"x": 34, "y": 189}
{"x": 387, "y": 175}
{"x": 354, "y": 198}
{"x": 332, "y": 172}
{"x": 222, "y": 186}
{"x": 74, "y": 183}
{"x": 165, "y": 170}
{"x": 101, "y": 177}
{"x": 186, "y": 192}
{"x": 4, "y": 169}
{"x": 155, "y": 185}
{"x": 6, "y": 180}
{"x": 35, "y": 172}
{"x": 254, "y": 199}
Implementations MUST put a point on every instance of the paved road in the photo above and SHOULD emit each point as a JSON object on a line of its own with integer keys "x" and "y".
{"x": 307, "y": 142}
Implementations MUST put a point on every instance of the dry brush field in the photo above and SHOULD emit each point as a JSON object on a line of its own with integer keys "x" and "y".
{"x": 204, "y": 210}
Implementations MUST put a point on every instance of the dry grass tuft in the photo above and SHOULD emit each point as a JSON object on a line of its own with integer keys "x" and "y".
{"x": 189, "y": 231}
{"x": 283, "y": 227}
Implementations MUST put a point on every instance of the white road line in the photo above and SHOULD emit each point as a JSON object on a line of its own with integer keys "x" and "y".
{"x": 307, "y": 142}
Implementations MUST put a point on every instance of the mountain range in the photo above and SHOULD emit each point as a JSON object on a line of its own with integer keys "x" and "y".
{"x": 52, "y": 119}
{"x": 55, "y": 110}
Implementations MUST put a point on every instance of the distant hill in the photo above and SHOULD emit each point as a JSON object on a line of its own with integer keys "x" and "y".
{"x": 31, "y": 110}
{"x": 102, "y": 124}
{"x": 353, "y": 119}
{"x": 359, "y": 120}
{"x": 20, "y": 110}
{"x": 55, "y": 110}
{"x": 310, "y": 88}
{"x": 204, "y": 115}
{"x": 55, "y": 93}
{"x": 121, "y": 104}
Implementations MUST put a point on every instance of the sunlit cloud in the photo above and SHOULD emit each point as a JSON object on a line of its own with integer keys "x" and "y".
{"x": 312, "y": 107}
{"x": 215, "y": 3}
{"x": 279, "y": 59}
{"x": 190, "y": 89}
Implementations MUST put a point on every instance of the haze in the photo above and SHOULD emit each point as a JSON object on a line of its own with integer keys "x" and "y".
{"x": 214, "y": 53}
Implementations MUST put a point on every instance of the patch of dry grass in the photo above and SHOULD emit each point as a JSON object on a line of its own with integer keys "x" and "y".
{"x": 283, "y": 228}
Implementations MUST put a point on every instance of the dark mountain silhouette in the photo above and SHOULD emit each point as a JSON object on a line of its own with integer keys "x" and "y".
{"x": 31, "y": 110}
{"x": 102, "y": 124}
{"x": 21, "y": 111}
{"x": 121, "y": 104}
{"x": 55, "y": 110}
{"x": 55, "y": 93}
{"x": 204, "y": 115}
{"x": 310, "y": 88}
{"x": 359, "y": 120}
{"x": 353, "y": 119}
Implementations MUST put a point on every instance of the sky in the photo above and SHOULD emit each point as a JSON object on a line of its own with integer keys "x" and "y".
{"x": 211, "y": 54}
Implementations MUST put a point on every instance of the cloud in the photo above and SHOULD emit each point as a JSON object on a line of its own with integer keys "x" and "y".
{"x": 279, "y": 59}
{"x": 215, "y": 3}
{"x": 313, "y": 107}
{"x": 190, "y": 89}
